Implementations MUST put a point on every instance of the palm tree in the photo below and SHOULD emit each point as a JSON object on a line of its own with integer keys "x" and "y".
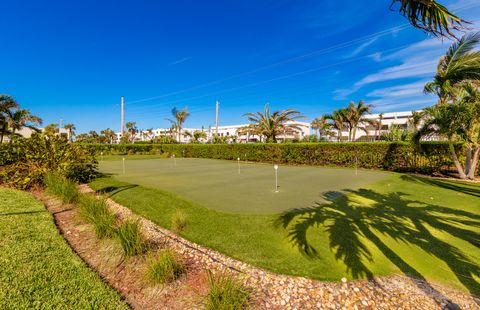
{"x": 109, "y": 135}
{"x": 460, "y": 63}
{"x": 378, "y": 130}
{"x": 51, "y": 129}
{"x": 22, "y": 118}
{"x": 6, "y": 104}
{"x": 198, "y": 134}
{"x": 131, "y": 129}
{"x": 322, "y": 125}
{"x": 355, "y": 116}
{"x": 415, "y": 120}
{"x": 430, "y": 16}
{"x": 71, "y": 131}
{"x": 180, "y": 117}
{"x": 271, "y": 125}
{"x": 457, "y": 122}
{"x": 338, "y": 118}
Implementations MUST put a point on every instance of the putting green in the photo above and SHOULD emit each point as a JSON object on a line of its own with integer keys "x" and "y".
{"x": 245, "y": 188}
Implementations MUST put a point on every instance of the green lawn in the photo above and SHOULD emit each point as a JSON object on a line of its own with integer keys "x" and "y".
{"x": 38, "y": 269}
{"x": 246, "y": 188}
{"x": 399, "y": 224}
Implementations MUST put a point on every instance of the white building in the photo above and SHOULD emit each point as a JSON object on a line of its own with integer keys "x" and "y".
{"x": 27, "y": 133}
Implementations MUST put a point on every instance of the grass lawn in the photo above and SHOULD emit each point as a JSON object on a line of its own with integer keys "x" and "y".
{"x": 398, "y": 224}
{"x": 38, "y": 269}
{"x": 246, "y": 188}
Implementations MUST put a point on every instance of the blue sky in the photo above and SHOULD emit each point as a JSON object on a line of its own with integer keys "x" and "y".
{"x": 72, "y": 60}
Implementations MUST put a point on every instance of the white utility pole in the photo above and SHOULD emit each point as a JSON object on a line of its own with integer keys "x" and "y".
{"x": 123, "y": 116}
{"x": 216, "y": 118}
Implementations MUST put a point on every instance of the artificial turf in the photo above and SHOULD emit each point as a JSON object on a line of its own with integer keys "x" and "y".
{"x": 423, "y": 227}
{"x": 239, "y": 187}
{"x": 38, "y": 269}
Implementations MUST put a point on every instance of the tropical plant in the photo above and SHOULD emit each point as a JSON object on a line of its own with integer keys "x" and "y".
{"x": 22, "y": 118}
{"x": 460, "y": 63}
{"x": 130, "y": 238}
{"x": 430, "y": 16}
{"x": 179, "y": 118}
{"x": 338, "y": 118}
{"x": 274, "y": 124}
{"x": 71, "y": 131}
{"x": 51, "y": 129}
{"x": 323, "y": 126}
{"x": 397, "y": 133}
{"x": 7, "y": 103}
{"x": 354, "y": 117}
{"x": 457, "y": 122}
{"x": 132, "y": 130}
{"x": 378, "y": 128}
{"x": 109, "y": 135}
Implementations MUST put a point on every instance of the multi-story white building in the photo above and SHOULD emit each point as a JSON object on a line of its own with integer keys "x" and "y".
{"x": 27, "y": 133}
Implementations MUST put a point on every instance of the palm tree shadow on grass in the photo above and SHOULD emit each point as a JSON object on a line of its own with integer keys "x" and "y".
{"x": 471, "y": 189}
{"x": 111, "y": 191}
{"x": 351, "y": 217}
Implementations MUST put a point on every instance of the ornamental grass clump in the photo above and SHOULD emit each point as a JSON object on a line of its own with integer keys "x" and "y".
{"x": 129, "y": 236}
{"x": 165, "y": 267}
{"x": 179, "y": 221}
{"x": 225, "y": 293}
{"x": 61, "y": 187}
{"x": 95, "y": 212}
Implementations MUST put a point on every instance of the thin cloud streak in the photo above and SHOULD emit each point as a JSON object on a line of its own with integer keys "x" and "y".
{"x": 177, "y": 62}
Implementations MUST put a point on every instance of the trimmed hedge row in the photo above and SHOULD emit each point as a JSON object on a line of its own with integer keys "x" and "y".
{"x": 393, "y": 156}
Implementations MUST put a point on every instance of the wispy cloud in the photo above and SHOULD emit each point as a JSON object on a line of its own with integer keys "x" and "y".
{"x": 363, "y": 46}
{"x": 179, "y": 61}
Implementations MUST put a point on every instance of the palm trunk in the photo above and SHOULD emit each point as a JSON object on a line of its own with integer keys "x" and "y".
{"x": 354, "y": 133}
{"x": 456, "y": 162}
{"x": 2, "y": 132}
{"x": 473, "y": 167}
{"x": 468, "y": 159}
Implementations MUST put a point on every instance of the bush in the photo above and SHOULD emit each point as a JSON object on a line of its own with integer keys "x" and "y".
{"x": 392, "y": 156}
{"x": 95, "y": 212}
{"x": 165, "y": 267}
{"x": 61, "y": 187}
{"x": 128, "y": 234}
{"x": 179, "y": 221}
{"x": 25, "y": 161}
{"x": 225, "y": 292}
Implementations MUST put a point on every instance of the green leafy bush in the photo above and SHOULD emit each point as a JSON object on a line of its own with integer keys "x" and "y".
{"x": 57, "y": 185}
{"x": 95, "y": 212}
{"x": 179, "y": 221}
{"x": 393, "y": 156}
{"x": 225, "y": 293}
{"x": 25, "y": 161}
{"x": 165, "y": 267}
{"x": 129, "y": 236}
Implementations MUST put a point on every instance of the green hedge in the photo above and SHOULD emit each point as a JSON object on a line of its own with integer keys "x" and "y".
{"x": 393, "y": 156}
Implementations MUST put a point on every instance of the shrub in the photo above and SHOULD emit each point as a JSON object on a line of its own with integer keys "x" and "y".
{"x": 225, "y": 292}
{"x": 61, "y": 187}
{"x": 165, "y": 267}
{"x": 179, "y": 221}
{"x": 393, "y": 156}
{"x": 129, "y": 236}
{"x": 95, "y": 212}
{"x": 25, "y": 161}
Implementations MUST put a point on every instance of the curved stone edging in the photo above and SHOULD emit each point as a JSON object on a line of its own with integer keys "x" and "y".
{"x": 276, "y": 291}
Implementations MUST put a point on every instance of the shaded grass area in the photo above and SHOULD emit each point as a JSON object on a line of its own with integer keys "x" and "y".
{"x": 402, "y": 224}
{"x": 38, "y": 269}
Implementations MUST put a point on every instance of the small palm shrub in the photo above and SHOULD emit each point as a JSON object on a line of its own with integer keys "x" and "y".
{"x": 95, "y": 212}
{"x": 225, "y": 293}
{"x": 61, "y": 187}
{"x": 165, "y": 267}
{"x": 179, "y": 221}
{"x": 129, "y": 236}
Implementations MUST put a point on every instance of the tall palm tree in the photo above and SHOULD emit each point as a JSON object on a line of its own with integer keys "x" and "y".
{"x": 379, "y": 126}
{"x": 109, "y": 135}
{"x": 457, "y": 122}
{"x": 131, "y": 129}
{"x": 180, "y": 117}
{"x": 355, "y": 117}
{"x": 460, "y": 63}
{"x": 22, "y": 118}
{"x": 415, "y": 120}
{"x": 274, "y": 124}
{"x": 338, "y": 118}
{"x": 430, "y": 16}
{"x": 7, "y": 103}
{"x": 322, "y": 125}
{"x": 71, "y": 131}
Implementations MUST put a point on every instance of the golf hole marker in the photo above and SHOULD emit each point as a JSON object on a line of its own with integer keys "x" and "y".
{"x": 276, "y": 178}
{"x": 123, "y": 165}
{"x": 238, "y": 161}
